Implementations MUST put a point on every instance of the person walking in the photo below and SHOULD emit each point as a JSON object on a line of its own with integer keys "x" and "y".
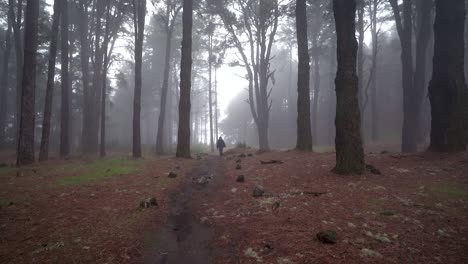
{"x": 220, "y": 145}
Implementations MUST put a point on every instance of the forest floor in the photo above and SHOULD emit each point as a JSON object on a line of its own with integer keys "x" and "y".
{"x": 78, "y": 211}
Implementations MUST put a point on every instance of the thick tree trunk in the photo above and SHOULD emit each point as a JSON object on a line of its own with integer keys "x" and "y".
{"x": 65, "y": 96}
{"x": 315, "y": 105}
{"x": 348, "y": 143}
{"x": 423, "y": 9}
{"x": 164, "y": 89}
{"x": 25, "y": 152}
{"x": 405, "y": 32}
{"x": 4, "y": 84}
{"x": 44, "y": 148}
{"x": 84, "y": 58}
{"x": 304, "y": 133}
{"x": 17, "y": 22}
{"x": 183, "y": 139}
{"x": 139, "y": 21}
{"x": 360, "y": 63}
{"x": 447, "y": 91}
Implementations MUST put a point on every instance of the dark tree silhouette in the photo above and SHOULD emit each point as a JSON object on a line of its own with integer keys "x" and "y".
{"x": 447, "y": 90}
{"x": 139, "y": 10}
{"x": 304, "y": 134}
{"x": 65, "y": 95}
{"x": 4, "y": 81}
{"x": 348, "y": 143}
{"x": 44, "y": 148}
{"x": 25, "y": 152}
{"x": 183, "y": 139}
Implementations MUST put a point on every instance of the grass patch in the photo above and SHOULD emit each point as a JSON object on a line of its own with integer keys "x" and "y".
{"x": 5, "y": 203}
{"x": 451, "y": 190}
{"x": 4, "y": 171}
{"x": 387, "y": 213}
{"x": 98, "y": 170}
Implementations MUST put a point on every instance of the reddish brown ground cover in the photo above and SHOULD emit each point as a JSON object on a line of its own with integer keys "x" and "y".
{"x": 416, "y": 211}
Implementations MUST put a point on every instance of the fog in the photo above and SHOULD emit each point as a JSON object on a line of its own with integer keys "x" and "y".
{"x": 220, "y": 70}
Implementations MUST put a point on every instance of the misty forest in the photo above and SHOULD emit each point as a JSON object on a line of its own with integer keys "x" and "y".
{"x": 233, "y": 131}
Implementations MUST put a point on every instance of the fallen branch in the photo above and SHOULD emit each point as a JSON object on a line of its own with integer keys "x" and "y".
{"x": 271, "y": 162}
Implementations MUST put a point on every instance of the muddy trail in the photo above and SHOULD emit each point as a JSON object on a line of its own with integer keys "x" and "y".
{"x": 183, "y": 239}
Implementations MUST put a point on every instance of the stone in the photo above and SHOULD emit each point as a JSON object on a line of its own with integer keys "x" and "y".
{"x": 258, "y": 191}
{"x": 149, "y": 202}
{"x": 242, "y": 155}
{"x": 327, "y": 237}
{"x": 172, "y": 175}
{"x": 365, "y": 252}
{"x": 240, "y": 178}
{"x": 238, "y": 167}
{"x": 373, "y": 169}
{"x": 238, "y": 161}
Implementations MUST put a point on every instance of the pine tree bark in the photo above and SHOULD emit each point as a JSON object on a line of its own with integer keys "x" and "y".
{"x": 4, "y": 83}
{"x": 405, "y": 31}
{"x": 44, "y": 148}
{"x": 210, "y": 92}
{"x": 139, "y": 24}
{"x": 423, "y": 10}
{"x": 25, "y": 152}
{"x": 183, "y": 139}
{"x": 65, "y": 95}
{"x": 17, "y": 22}
{"x": 164, "y": 89}
{"x": 348, "y": 143}
{"x": 304, "y": 133}
{"x": 447, "y": 91}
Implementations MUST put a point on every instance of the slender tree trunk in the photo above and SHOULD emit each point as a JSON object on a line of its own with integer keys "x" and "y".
{"x": 84, "y": 58}
{"x": 164, "y": 89}
{"x": 348, "y": 143}
{"x": 304, "y": 133}
{"x": 25, "y": 153}
{"x": 315, "y": 105}
{"x": 4, "y": 84}
{"x": 65, "y": 105}
{"x": 375, "y": 46}
{"x": 447, "y": 91}
{"x": 44, "y": 148}
{"x": 210, "y": 94}
{"x": 102, "y": 147}
{"x": 17, "y": 22}
{"x": 360, "y": 63}
{"x": 139, "y": 23}
{"x": 423, "y": 8}
{"x": 183, "y": 139}
{"x": 216, "y": 104}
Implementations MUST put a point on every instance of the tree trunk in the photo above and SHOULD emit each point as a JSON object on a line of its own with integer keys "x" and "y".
{"x": 360, "y": 63}
{"x": 139, "y": 23}
{"x": 183, "y": 139}
{"x": 210, "y": 94}
{"x": 84, "y": 58}
{"x": 25, "y": 152}
{"x": 447, "y": 90}
{"x": 405, "y": 29}
{"x": 423, "y": 8}
{"x": 375, "y": 45}
{"x": 348, "y": 143}
{"x": 315, "y": 105}
{"x": 65, "y": 105}
{"x": 44, "y": 148}
{"x": 4, "y": 84}
{"x": 164, "y": 89}
{"x": 17, "y": 22}
{"x": 304, "y": 133}
{"x": 102, "y": 147}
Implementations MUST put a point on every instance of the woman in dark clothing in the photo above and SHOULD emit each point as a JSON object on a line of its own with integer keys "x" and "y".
{"x": 220, "y": 145}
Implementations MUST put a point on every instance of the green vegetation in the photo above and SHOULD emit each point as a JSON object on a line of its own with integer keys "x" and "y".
{"x": 387, "y": 213}
{"x": 98, "y": 170}
{"x": 5, "y": 203}
{"x": 451, "y": 190}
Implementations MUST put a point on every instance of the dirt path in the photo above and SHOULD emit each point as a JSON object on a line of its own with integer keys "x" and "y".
{"x": 184, "y": 239}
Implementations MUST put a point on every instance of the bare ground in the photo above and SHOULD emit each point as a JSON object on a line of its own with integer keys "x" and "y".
{"x": 416, "y": 211}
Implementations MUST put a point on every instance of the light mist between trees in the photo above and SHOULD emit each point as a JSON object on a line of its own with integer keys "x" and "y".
{"x": 142, "y": 76}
